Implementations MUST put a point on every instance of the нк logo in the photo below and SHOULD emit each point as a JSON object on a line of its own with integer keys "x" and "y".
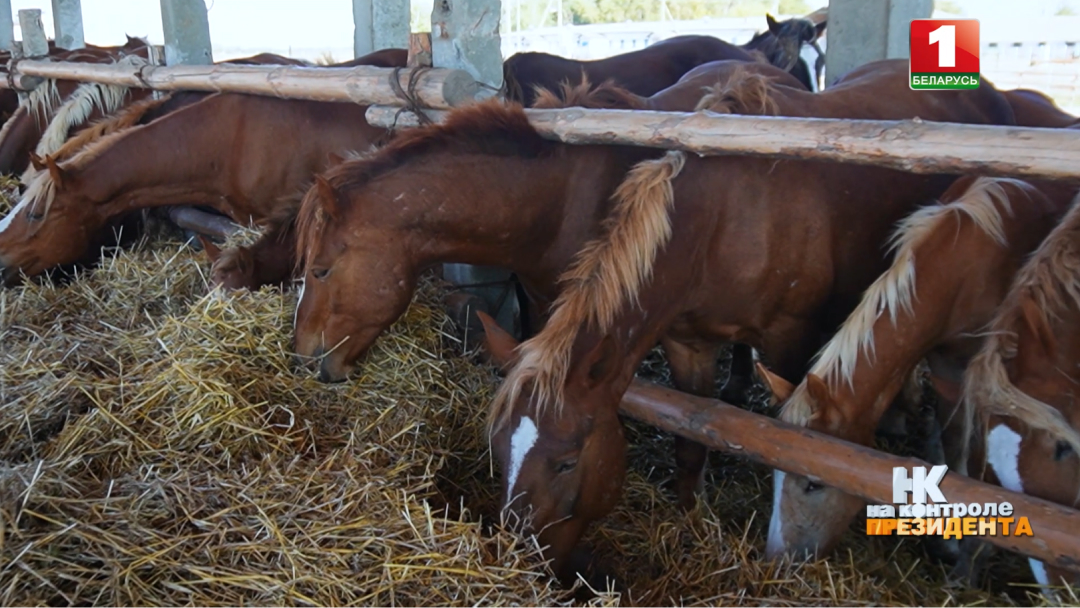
{"x": 921, "y": 485}
{"x": 944, "y": 54}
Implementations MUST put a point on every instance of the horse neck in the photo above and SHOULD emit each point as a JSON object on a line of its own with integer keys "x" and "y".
{"x": 527, "y": 214}
{"x": 181, "y": 158}
{"x": 17, "y": 140}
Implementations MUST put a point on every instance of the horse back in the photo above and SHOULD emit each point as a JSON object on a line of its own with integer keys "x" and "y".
{"x": 1034, "y": 109}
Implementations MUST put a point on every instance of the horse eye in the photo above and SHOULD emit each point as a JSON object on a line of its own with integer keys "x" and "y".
{"x": 812, "y": 487}
{"x": 35, "y": 216}
{"x": 565, "y": 466}
{"x": 1062, "y": 450}
{"x": 320, "y": 273}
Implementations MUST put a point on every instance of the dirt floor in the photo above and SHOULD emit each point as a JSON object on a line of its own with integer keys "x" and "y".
{"x": 159, "y": 446}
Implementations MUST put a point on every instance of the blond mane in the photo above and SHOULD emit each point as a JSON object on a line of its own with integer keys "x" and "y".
{"x": 606, "y": 275}
{"x": 744, "y": 92}
{"x": 1050, "y": 279}
{"x": 983, "y": 202}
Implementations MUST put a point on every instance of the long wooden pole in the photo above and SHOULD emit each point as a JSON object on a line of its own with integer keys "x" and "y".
{"x": 438, "y": 88}
{"x": 852, "y": 468}
{"x": 909, "y": 145}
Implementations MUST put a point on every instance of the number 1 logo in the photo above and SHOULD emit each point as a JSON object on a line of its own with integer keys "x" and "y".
{"x": 944, "y": 54}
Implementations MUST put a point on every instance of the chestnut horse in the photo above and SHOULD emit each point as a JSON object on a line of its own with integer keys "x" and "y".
{"x": 1019, "y": 390}
{"x": 698, "y": 252}
{"x": 658, "y": 66}
{"x": 222, "y": 152}
{"x": 265, "y": 262}
{"x": 952, "y": 266}
{"x": 23, "y": 131}
{"x": 1034, "y": 109}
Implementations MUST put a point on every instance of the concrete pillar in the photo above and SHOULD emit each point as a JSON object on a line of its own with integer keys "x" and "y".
{"x": 7, "y": 26}
{"x": 465, "y": 35}
{"x": 380, "y": 24}
{"x": 34, "y": 42}
{"x": 67, "y": 24}
{"x": 861, "y": 31}
{"x": 187, "y": 32}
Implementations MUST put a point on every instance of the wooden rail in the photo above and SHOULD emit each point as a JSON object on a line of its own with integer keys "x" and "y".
{"x": 852, "y": 468}
{"x": 434, "y": 87}
{"x": 907, "y": 145}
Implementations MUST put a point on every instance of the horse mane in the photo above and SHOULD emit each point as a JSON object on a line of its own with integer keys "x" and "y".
{"x": 128, "y": 117}
{"x": 490, "y": 127}
{"x": 43, "y": 99}
{"x": 1051, "y": 279}
{"x": 744, "y": 92}
{"x": 605, "y": 96}
{"x": 606, "y": 274}
{"x": 982, "y": 202}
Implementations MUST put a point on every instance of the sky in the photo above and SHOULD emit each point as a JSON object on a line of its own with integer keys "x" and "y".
{"x": 253, "y": 25}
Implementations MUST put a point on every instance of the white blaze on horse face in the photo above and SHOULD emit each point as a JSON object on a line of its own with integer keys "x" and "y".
{"x": 1003, "y": 454}
{"x": 775, "y": 544}
{"x": 10, "y": 217}
{"x": 1039, "y": 570}
{"x": 521, "y": 443}
{"x": 299, "y": 301}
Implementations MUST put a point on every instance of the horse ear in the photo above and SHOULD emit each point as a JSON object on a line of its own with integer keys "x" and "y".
{"x": 36, "y": 161}
{"x": 820, "y": 394}
{"x": 774, "y": 27}
{"x": 55, "y": 171}
{"x": 334, "y": 158}
{"x": 946, "y": 389}
{"x": 1034, "y": 338}
{"x": 212, "y": 251}
{"x": 819, "y": 30}
{"x": 328, "y": 196}
{"x": 499, "y": 344}
{"x": 600, "y": 361}
{"x": 780, "y": 388}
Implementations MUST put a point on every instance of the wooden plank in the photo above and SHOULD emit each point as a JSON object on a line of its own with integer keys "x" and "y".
{"x": 908, "y": 145}
{"x": 187, "y": 32}
{"x": 34, "y": 42}
{"x": 419, "y": 50}
{"x": 438, "y": 88}
{"x": 852, "y": 468}
{"x": 68, "y": 24}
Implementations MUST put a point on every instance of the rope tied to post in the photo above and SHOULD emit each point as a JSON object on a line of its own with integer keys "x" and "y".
{"x": 409, "y": 95}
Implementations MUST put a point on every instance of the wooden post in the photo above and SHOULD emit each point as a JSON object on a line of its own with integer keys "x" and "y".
{"x": 187, "y": 32}
{"x": 855, "y": 469}
{"x": 68, "y": 24}
{"x": 380, "y": 24}
{"x": 861, "y": 31}
{"x": 906, "y": 145}
{"x": 34, "y": 42}
{"x": 465, "y": 36}
{"x": 419, "y": 50}
{"x": 7, "y": 27}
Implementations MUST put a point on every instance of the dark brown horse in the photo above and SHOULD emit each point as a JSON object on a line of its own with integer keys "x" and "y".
{"x": 698, "y": 252}
{"x": 1034, "y": 109}
{"x": 953, "y": 264}
{"x": 649, "y": 70}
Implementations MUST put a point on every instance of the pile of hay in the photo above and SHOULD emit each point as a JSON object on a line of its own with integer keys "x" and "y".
{"x": 159, "y": 447}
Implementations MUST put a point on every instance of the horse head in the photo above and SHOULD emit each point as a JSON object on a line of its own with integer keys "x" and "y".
{"x": 355, "y": 281}
{"x": 562, "y": 467}
{"x": 55, "y": 222}
{"x": 808, "y": 518}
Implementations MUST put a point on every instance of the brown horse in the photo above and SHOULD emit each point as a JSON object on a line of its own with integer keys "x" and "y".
{"x": 265, "y": 262}
{"x": 1019, "y": 391}
{"x": 222, "y": 152}
{"x": 952, "y": 266}
{"x": 697, "y": 252}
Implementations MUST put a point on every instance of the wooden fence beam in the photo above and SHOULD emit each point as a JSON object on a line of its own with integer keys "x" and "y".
{"x": 439, "y": 88}
{"x": 908, "y": 145}
{"x": 849, "y": 467}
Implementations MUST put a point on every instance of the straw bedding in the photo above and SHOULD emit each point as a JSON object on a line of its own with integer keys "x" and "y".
{"x": 159, "y": 446}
